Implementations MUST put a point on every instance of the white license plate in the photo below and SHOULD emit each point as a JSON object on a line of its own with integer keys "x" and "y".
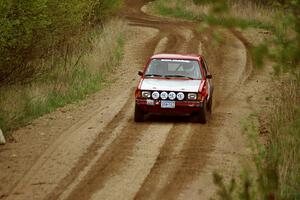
{"x": 167, "y": 104}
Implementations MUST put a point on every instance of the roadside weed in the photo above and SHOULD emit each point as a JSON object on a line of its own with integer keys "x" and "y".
{"x": 71, "y": 79}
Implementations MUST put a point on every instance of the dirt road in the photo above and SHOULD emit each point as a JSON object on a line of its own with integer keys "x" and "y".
{"x": 103, "y": 154}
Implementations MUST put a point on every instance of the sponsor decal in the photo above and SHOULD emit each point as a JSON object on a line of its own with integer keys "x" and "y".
{"x": 175, "y": 60}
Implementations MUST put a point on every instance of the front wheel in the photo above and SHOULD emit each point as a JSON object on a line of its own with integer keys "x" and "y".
{"x": 202, "y": 115}
{"x": 209, "y": 105}
{"x": 138, "y": 114}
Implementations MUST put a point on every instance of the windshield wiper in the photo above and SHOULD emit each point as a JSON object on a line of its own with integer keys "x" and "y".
{"x": 178, "y": 75}
{"x": 157, "y": 75}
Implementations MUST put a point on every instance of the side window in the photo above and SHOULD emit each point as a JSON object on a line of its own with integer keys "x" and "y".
{"x": 203, "y": 64}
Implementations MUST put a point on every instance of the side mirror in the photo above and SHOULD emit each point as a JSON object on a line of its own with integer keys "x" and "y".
{"x": 140, "y": 73}
{"x": 209, "y": 76}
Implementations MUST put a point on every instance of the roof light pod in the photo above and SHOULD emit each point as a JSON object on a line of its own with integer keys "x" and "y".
{"x": 163, "y": 95}
{"x": 172, "y": 95}
{"x": 155, "y": 95}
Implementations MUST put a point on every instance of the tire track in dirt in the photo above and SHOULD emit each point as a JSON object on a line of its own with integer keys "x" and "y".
{"x": 174, "y": 43}
{"x": 168, "y": 177}
{"x": 195, "y": 42}
{"x": 165, "y": 164}
{"x": 175, "y": 39}
{"x": 36, "y": 182}
{"x": 179, "y": 162}
{"x": 228, "y": 65}
{"x": 173, "y": 170}
{"x": 183, "y": 153}
{"x": 116, "y": 127}
{"x": 195, "y": 155}
{"x": 159, "y": 158}
{"x": 59, "y": 158}
{"x": 110, "y": 162}
{"x": 101, "y": 143}
{"x": 230, "y": 108}
{"x": 127, "y": 181}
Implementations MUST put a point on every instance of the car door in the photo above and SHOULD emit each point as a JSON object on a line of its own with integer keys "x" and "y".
{"x": 208, "y": 80}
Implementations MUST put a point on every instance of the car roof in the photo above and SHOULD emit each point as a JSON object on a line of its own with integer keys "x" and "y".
{"x": 177, "y": 56}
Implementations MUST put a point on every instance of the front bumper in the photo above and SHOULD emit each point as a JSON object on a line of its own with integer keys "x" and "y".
{"x": 181, "y": 107}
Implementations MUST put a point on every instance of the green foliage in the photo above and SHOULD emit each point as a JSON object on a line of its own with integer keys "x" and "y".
{"x": 259, "y": 186}
{"x": 231, "y": 22}
{"x": 228, "y": 192}
{"x": 19, "y": 21}
{"x": 161, "y": 8}
{"x": 219, "y": 7}
{"x": 104, "y": 8}
{"x": 224, "y": 191}
{"x": 259, "y": 53}
{"x": 283, "y": 151}
{"x": 286, "y": 32}
{"x": 33, "y": 30}
{"x": 277, "y": 165}
{"x": 73, "y": 80}
{"x": 286, "y": 40}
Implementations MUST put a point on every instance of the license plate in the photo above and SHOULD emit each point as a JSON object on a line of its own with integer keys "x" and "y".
{"x": 167, "y": 104}
{"x": 150, "y": 102}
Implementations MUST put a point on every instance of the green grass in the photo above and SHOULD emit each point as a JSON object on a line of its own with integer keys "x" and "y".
{"x": 234, "y": 22}
{"x": 162, "y": 7}
{"x": 276, "y": 158}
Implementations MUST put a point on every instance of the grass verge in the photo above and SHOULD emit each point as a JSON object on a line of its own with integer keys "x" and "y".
{"x": 274, "y": 139}
{"x": 282, "y": 159}
{"x": 274, "y": 134}
{"x": 71, "y": 79}
{"x": 240, "y": 16}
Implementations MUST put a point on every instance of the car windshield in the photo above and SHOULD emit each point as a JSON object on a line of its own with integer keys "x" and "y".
{"x": 174, "y": 68}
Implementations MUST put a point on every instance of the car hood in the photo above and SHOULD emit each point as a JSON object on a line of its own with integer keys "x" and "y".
{"x": 171, "y": 85}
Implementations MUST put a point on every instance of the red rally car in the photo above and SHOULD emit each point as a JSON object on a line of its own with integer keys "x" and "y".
{"x": 174, "y": 84}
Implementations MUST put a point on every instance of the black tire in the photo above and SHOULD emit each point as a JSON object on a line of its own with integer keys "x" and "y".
{"x": 138, "y": 114}
{"x": 202, "y": 115}
{"x": 209, "y": 104}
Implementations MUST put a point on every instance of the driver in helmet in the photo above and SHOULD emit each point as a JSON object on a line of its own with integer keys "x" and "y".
{"x": 189, "y": 69}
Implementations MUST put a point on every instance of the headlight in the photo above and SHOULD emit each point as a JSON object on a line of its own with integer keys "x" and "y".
{"x": 172, "y": 95}
{"x": 180, "y": 96}
{"x": 155, "y": 95}
{"x": 163, "y": 95}
{"x": 192, "y": 96}
{"x": 146, "y": 94}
